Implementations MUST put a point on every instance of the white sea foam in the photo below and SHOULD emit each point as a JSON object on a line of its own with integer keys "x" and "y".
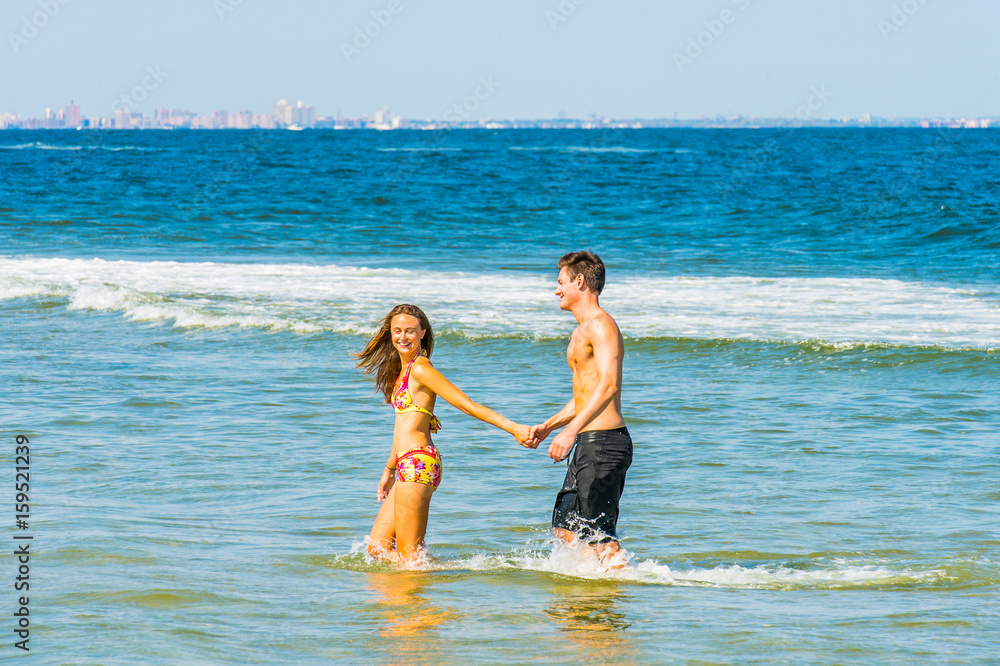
{"x": 839, "y": 311}
{"x": 575, "y": 562}
{"x": 308, "y": 298}
{"x": 21, "y": 146}
{"x": 38, "y": 145}
{"x": 608, "y": 149}
{"x": 777, "y": 576}
{"x": 585, "y": 149}
{"x": 423, "y": 149}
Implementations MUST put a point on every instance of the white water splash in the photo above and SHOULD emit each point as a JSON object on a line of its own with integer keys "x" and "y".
{"x": 577, "y": 562}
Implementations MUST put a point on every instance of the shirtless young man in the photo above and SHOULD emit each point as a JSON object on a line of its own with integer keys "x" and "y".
{"x": 587, "y": 506}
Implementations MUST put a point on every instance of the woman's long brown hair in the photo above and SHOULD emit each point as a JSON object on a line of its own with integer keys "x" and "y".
{"x": 380, "y": 358}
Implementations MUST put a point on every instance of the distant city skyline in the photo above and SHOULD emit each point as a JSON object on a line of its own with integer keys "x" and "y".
{"x": 286, "y": 115}
{"x": 457, "y": 62}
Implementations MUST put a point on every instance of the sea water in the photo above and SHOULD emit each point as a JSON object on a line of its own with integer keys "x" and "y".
{"x": 812, "y": 333}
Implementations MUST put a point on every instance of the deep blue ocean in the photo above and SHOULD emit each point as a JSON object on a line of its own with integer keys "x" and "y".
{"x": 812, "y": 329}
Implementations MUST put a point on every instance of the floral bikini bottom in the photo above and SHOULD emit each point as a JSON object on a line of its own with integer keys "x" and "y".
{"x": 420, "y": 465}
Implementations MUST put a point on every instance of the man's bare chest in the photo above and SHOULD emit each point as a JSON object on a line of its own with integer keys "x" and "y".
{"x": 579, "y": 353}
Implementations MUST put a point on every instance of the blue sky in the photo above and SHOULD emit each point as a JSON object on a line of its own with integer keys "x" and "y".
{"x": 625, "y": 59}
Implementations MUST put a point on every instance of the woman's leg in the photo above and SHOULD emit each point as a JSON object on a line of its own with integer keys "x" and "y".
{"x": 382, "y": 540}
{"x": 412, "y": 503}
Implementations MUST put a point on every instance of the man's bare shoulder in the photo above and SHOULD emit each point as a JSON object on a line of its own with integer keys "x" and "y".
{"x": 601, "y": 327}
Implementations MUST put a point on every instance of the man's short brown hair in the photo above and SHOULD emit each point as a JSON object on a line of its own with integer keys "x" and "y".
{"x": 589, "y": 264}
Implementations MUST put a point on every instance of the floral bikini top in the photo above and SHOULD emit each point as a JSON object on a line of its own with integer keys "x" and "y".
{"x": 402, "y": 403}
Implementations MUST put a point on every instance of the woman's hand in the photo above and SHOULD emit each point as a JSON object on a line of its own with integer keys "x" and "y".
{"x": 385, "y": 484}
{"x": 522, "y": 434}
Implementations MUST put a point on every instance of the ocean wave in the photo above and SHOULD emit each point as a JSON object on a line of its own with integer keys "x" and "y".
{"x": 141, "y": 307}
{"x": 587, "y": 149}
{"x": 829, "y": 312}
{"x": 608, "y": 149}
{"x": 423, "y": 149}
{"x": 817, "y": 573}
{"x": 38, "y": 145}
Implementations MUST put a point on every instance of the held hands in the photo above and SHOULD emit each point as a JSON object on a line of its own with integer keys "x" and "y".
{"x": 385, "y": 484}
{"x": 522, "y": 434}
{"x": 535, "y": 437}
{"x": 560, "y": 446}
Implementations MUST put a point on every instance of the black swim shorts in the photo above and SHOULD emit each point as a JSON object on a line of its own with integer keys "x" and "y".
{"x": 588, "y": 501}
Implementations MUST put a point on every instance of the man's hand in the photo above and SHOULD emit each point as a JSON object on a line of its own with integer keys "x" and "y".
{"x": 538, "y": 433}
{"x": 385, "y": 484}
{"x": 522, "y": 434}
{"x": 560, "y": 446}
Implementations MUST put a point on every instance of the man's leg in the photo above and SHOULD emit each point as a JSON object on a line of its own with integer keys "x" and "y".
{"x": 600, "y": 485}
{"x": 566, "y": 512}
{"x": 565, "y": 535}
{"x": 611, "y": 555}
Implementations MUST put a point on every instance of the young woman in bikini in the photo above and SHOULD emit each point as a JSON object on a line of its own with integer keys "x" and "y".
{"x": 398, "y": 357}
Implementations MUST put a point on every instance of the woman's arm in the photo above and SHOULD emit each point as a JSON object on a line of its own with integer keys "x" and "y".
{"x": 427, "y": 375}
{"x": 388, "y": 476}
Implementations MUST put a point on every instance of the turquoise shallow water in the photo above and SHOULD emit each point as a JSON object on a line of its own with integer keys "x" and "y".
{"x": 194, "y": 488}
{"x": 816, "y": 429}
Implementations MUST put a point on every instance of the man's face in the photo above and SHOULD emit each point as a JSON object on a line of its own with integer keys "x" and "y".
{"x": 569, "y": 289}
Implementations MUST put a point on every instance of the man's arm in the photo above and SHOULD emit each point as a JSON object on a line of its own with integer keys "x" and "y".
{"x": 607, "y": 359}
{"x": 562, "y": 417}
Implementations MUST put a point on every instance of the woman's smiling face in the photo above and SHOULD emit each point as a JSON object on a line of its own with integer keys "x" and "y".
{"x": 406, "y": 334}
